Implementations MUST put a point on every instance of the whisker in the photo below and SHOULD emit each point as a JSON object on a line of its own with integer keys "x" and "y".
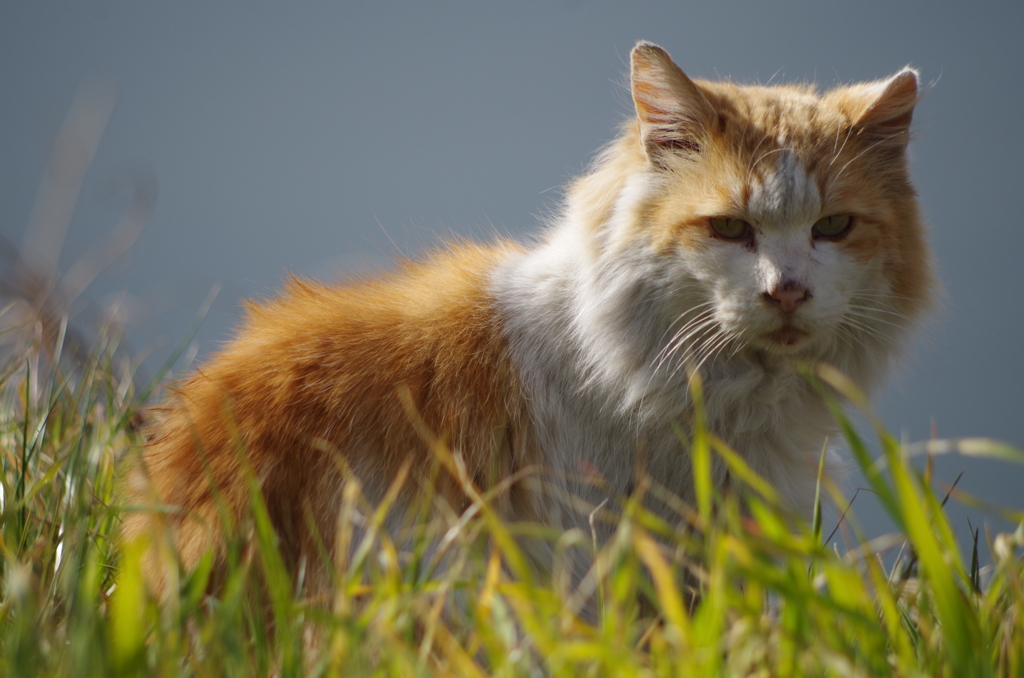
{"x": 836, "y": 154}
{"x": 877, "y": 309}
{"x": 751, "y": 164}
{"x": 868, "y": 331}
{"x": 690, "y": 342}
{"x": 685, "y": 333}
{"x": 883, "y": 321}
{"x": 712, "y": 349}
{"x": 866, "y": 150}
{"x": 688, "y": 311}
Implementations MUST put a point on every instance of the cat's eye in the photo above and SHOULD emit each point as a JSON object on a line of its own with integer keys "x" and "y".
{"x": 730, "y": 229}
{"x": 832, "y": 227}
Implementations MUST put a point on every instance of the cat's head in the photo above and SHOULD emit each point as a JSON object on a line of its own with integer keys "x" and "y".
{"x": 787, "y": 215}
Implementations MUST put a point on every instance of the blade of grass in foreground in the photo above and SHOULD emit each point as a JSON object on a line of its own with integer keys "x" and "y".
{"x": 747, "y": 594}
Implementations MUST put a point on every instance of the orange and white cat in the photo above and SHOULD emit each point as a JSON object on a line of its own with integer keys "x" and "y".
{"x": 728, "y": 229}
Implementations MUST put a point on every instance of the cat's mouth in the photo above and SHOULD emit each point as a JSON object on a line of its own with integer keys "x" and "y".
{"x": 787, "y": 336}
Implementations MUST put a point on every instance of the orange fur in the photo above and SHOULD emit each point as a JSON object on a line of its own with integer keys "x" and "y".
{"x": 318, "y": 372}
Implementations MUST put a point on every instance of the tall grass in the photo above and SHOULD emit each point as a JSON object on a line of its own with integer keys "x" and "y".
{"x": 728, "y": 587}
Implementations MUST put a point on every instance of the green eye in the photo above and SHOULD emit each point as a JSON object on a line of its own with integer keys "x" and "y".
{"x": 730, "y": 229}
{"x": 832, "y": 227}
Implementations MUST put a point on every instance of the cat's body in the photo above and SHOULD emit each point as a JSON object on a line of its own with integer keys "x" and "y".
{"x": 729, "y": 229}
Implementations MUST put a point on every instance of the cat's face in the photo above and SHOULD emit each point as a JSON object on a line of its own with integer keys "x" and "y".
{"x": 782, "y": 266}
{"x": 788, "y": 216}
{"x": 790, "y": 264}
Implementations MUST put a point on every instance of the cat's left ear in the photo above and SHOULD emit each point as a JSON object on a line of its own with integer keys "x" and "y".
{"x": 673, "y": 114}
{"x": 890, "y": 107}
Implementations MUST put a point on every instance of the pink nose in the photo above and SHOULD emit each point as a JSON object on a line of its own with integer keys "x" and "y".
{"x": 788, "y": 295}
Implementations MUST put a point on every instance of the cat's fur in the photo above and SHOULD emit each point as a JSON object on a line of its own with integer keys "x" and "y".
{"x": 571, "y": 356}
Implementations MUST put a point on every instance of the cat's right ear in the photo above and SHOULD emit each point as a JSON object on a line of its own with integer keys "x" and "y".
{"x": 671, "y": 110}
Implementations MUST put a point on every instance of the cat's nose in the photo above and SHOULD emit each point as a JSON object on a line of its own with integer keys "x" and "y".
{"x": 787, "y": 295}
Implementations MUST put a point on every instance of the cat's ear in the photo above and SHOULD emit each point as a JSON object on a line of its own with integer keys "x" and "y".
{"x": 672, "y": 112}
{"x": 890, "y": 107}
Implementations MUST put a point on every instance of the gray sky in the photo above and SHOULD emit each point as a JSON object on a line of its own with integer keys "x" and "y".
{"x": 325, "y": 138}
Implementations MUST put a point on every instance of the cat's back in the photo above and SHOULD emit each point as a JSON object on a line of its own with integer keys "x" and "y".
{"x": 321, "y": 349}
{"x": 330, "y": 379}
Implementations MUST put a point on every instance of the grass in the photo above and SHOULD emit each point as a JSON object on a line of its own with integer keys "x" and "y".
{"x": 728, "y": 587}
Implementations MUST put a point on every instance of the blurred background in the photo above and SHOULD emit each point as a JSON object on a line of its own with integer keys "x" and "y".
{"x": 230, "y": 142}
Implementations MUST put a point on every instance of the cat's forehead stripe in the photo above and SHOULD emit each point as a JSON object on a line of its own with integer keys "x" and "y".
{"x": 782, "y": 191}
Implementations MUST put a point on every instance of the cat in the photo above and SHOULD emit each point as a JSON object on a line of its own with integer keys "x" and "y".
{"x": 728, "y": 230}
